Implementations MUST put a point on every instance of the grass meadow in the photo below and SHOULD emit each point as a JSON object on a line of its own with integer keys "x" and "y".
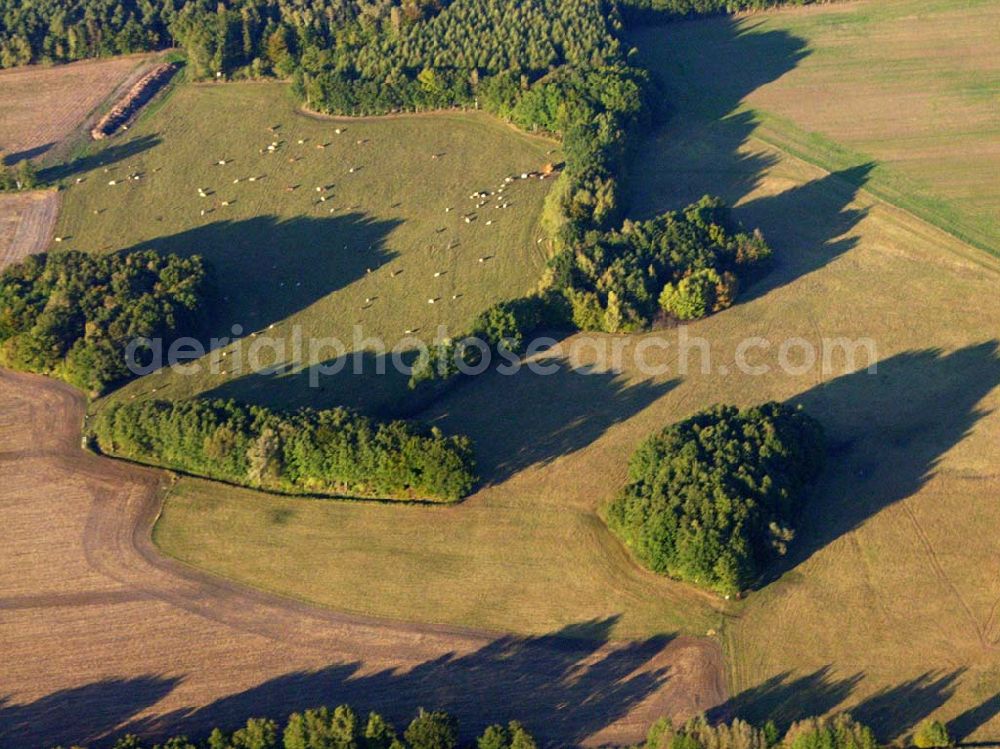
{"x": 908, "y": 87}
{"x": 363, "y": 250}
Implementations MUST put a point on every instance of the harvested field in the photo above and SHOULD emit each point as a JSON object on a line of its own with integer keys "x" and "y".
{"x": 26, "y": 223}
{"x": 40, "y": 107}
{"x": 131, "y": 640}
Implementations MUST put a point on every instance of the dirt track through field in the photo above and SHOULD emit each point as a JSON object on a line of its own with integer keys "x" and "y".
{"x": 102, "y": 634}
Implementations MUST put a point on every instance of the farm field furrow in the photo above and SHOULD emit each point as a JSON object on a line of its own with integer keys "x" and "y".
{"x": 26, "y": 224}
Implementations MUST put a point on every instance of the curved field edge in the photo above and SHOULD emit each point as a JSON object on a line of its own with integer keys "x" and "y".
{"x": 355, "y": 260}
{"x": 156, "y": 648}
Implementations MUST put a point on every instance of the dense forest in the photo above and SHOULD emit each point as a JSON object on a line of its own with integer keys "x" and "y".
{"x": 332, "y": 452}
{"x": 72, "y": 314}
{"x": 246, "y": 31}
{"x": 711, "y": 499}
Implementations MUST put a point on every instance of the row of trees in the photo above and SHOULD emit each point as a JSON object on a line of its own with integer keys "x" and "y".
{"x": 72, "y": 314}
{"x": 838, "y": 731}
{"x": 667, "y": 10}
{"x": 343, "y": 728}
{"x": 711, "y": 499}
{"x": 333, "y": 452}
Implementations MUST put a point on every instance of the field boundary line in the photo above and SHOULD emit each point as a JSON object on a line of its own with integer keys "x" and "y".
{"x": 980, "y": 255}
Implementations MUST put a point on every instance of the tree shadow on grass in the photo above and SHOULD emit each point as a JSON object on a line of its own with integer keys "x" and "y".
{"x": 362, "y": 380}
{"x": 109, "y": 157}
{"x": 704, "y": 71}
{"x": 536, "y": 417}
{"x": 893, "y": 711}
{"x": 965, "y": 724}
{"x": 813, "y": 222}
{"x": 266, "y": 269}
{"x": 563, "y": 688}
{"x": 785, "y": 698}
{"x": 888, "y": 432}
{"x": 701, "y": 146}
{"x": 82, "y": 714}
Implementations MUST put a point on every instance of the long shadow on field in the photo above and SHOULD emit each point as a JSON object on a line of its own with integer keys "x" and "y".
{"x": 785, "y": 698}
{"x": 706, "y": 69}
{"x": 809, "y": 225}
{"x": 562, "y": 687}
{"x": 28, "y": 153}
{"x": 363, "y": 380}
{"x": 266, "y": 269}
{"x": 535, "y": 417}
{"x": 79, "y": 715}
{"x": 892, "y": 711}
{"x": 108, "y": 157}
{"x": 888, "y": 432}
{"x": 965, "y": 724}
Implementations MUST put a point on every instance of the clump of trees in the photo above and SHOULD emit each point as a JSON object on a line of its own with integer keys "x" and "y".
{"x": 21, "y": 176}
{"x": 688, "y": 263}
{"x": 838, "y": 731}
{"x": 343, "y": 728}
{"x": 503, "y": 328}
{"x": 332, "y": 452}
{"x": 72, "y": 314}
{"x": 698, "y": 733}
{"x": 711, "y": 499}
{"x": 932, "y": 734}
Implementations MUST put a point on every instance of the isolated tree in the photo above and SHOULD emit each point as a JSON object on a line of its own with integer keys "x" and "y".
{"x": 693, "y": 296}
{"x": 432, "y": 730}
{"x": 258, "y": 733}
{"x": 931, "y": 734}
{"x": 379, "y": 734}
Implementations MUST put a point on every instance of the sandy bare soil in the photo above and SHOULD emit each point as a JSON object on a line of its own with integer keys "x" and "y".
{"x": 41, "y": 107}
{"x": 26, "y": 224}
{"x": 101, "y": 634}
